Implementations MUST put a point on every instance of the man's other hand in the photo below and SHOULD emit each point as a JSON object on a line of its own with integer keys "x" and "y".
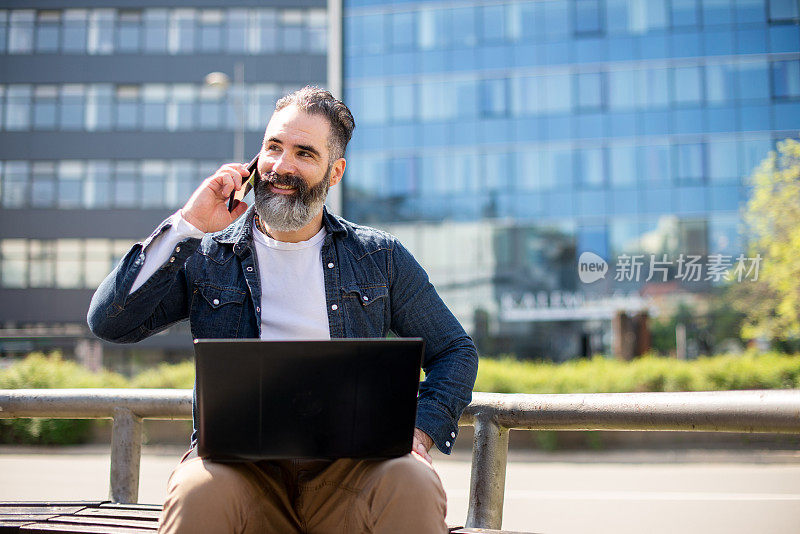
{"x": 421, "y": 444}
{"x": 207, "y": 209}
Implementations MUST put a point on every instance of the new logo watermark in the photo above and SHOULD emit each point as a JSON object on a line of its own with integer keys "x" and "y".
{"x": 686, "y": 268}
{"x": 591, "y": 267}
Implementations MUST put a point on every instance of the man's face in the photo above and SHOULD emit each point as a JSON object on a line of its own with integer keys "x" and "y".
{"x": 295, "y": 169}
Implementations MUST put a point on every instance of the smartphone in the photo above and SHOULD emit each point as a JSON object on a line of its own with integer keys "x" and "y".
{"x": 241, "y": 193}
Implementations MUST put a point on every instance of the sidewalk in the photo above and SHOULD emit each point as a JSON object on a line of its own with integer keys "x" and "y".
{"x": 622, "y": 492}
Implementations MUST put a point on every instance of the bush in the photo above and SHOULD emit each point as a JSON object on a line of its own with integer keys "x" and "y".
{"x": 40, "y": 371}
{"x": 648, "y": 373}
{"x": 166, "y": 375}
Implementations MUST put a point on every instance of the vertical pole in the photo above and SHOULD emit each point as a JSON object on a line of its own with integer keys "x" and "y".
{"x": 488, "y": 477}
{"x": 126, "y": 454}
{"x": 335, "y": 81}
{"x": 241, "y": 113}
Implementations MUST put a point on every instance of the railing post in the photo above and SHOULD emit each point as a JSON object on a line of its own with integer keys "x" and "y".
{"x": 126, "y": 454}
{"x": 488, "y": 476}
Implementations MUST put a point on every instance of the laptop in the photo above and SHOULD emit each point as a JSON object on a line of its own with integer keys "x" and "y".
{"x": 343, "y": 398}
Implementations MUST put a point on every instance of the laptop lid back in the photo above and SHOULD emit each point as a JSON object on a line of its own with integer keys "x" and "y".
{"x": 352, "y": 398}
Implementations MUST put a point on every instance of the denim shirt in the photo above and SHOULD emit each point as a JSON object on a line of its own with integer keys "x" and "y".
{"x": 373, "y": 286}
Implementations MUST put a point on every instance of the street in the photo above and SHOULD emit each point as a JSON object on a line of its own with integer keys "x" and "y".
{"x": 690, "y": 492}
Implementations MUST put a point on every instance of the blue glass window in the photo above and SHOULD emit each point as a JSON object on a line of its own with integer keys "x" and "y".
{"x": 655, "y": 164}
{"x": 753, "y": 80}
{"x": 43, "y": 184}
{"x": 557, "y": 93}
{"x": 524, "y": 20}
{"x": 588, "y": 17}
{"x": 292, "y": 30}
{"x": 127, "y": 107}
{"x": 430, "y": 30}
{"x": 236, "y": 41}
{"x": 723, "y": 161}
{"x": 74, "y": 33}
{"x": 466, "y": 98}
{"x": 494, "y": 98}
{"x": 531, "y": 174}
{"x": 493, "y": 23}
{"x": 618, "y": 16}
{"x": 593, "y": 239}
{"x": 373, "y": 110}
{"x": 753, "y": 151}
{"x": 155, "y": 31}
{"x": 786, "y": 79}
{"x": 403, "y": 30}
{"x": 685, "y": 13}
{"x": 45, "y": 104}
{"x": 402, "y": 177}
{"x": 526, "y": 95}
{"x": 18, "y": 107}
{"x": 210, "y": 29}
{"x": 129, "y": 30}
{"x": 717, "y": 12}
{"x": 783, "y": 10}
{"x": 687, "y": 85}
{"x": 622, "y": 159}
{"x": 622, "y": 93}
{"x": 47, "y": 30}
{"x": 557, "y": 168}
{"x": 720, "y": 83}
{"x": 689, "y": 163}
{"x": 497, "y": 173}
{"x": 590, "y": 90}
{"x": 101, "y": 31}
{"x": 655, "y": 83}
{"x": 463, "y": 26}
{"x": 750, "y": 10}
{"x": 154, "y": 107}
{"x": 402, "y": 102}
{"x": 99, "y": 107}
{"x": 3, "y": 31}
{"x": 553, "y": 19}
{"x": 650, "y": 15}
{"x": 591, "y": 171}
{"x": 20, "y": 31}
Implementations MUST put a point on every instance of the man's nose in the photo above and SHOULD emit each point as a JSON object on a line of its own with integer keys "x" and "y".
{"x": 283, "y": 165}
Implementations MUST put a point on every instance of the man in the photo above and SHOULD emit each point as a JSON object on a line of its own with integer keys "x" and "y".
{"x": 288, "y": 269}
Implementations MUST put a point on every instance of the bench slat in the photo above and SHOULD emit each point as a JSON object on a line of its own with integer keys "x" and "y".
{"x": 122, "y": 514}
{"x": 64, "y": 528}
{"x": 89, "y": 520}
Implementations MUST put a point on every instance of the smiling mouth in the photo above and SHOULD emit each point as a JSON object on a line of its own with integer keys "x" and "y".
{"x": 282, "y": 187}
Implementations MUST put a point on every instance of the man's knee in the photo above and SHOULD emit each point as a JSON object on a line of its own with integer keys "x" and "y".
{"x": 196, "y": 482}
{"x": 411, "y": 474}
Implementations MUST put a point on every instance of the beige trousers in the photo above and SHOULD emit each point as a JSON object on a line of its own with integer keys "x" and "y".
{"x": 294, "y": 496}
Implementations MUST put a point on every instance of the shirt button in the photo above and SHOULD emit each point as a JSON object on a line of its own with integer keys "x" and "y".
{"x": 334, "y": 307}
{"x": 177, "y": 249}
{"x": 172, "y": 259}
{"x": 330, "y": 265}
{"x": 447, "y": 443}
{"x": 249, "y": 269}
{"x": 216, "y": 302}
{"x": 366, "y": 298}
{"x": 452, "y": 434}
{"x": 258, "y": 309}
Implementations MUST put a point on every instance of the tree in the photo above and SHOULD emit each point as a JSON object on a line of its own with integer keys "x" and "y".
{"x": 772, "y": 303}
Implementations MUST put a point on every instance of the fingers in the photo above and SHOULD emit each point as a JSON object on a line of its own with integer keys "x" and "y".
{"x": 228, "y": 178}
{"x": 238, "y": 210}
{"x": 420, "y": 450}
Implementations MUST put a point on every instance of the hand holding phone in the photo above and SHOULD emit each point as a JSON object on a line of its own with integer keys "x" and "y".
{"x": 236, "y": 196}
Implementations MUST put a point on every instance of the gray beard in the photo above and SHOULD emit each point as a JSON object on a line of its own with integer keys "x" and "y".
{"x": 289, "y": 213}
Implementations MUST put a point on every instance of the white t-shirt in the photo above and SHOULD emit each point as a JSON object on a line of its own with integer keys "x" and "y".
{"x": 292, "y": 282}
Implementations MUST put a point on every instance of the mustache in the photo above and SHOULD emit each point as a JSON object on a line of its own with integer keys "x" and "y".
{"x": 290, "y": 180}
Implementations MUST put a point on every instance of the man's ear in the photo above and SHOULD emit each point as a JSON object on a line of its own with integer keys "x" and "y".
{"x": 337, "y": 171}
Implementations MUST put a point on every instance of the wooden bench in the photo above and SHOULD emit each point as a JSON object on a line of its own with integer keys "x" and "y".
{"x": 80, "y": 517}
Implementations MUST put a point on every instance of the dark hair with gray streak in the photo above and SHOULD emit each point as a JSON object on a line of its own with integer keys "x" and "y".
{"x": 317, "y": 101}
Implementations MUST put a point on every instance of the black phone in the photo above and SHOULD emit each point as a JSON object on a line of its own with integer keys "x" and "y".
{"x": 253, "y": 168}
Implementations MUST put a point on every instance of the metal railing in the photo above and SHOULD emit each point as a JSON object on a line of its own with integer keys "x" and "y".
{"x": 492, "y": 415}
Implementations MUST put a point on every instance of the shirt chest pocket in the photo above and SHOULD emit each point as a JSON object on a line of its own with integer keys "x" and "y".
{"x": 216, "y": 311}
{"x": 366, "y": 310}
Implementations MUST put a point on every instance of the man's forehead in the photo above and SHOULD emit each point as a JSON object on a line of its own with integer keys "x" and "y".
{"x": 294, "y": 122}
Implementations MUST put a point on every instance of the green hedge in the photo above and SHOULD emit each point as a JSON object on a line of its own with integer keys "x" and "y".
{"x": 503, "y": 375}
{"x": 41, "y": 371}
{"x": 648, "y": 373}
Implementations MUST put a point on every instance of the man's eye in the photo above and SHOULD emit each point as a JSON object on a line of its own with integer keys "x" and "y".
{"x": 273, "y": 147}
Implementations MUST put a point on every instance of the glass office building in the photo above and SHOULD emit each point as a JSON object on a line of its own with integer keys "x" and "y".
{"x": 501, "y": 140}
{"x": 107, "y": 125}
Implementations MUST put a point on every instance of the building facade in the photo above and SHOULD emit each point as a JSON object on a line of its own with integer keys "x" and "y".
{"x": 502, "y": 140}
{"x": 107, "y": 124}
